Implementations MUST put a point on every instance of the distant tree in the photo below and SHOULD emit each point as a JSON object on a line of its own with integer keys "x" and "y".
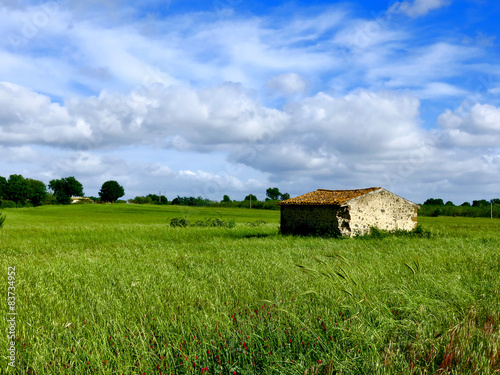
{"x": 17, "y": 189}
{"x": 38, "y": 192}
{"x": 254, "y": 198}
{"x": 3, "y": 185}
{"x": 155, "y": 199}
{"x": 111, "y": 191}
{"x": 465, "y": 204}
{"x": 495, "y": 201}
{"x": 480, "y": 203}
{"x": 434, "y": 202}
{"x": 65, "y": 188}
{"x": 226, "y": 199}
{"x": 285, "y": 196}
{"x": 273, "y": 193}
{"x": 176, "y": 201}
{"x": 449, "y": 203}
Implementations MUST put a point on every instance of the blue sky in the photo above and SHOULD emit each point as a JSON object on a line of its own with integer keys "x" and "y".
{"x": 235, "y": 96}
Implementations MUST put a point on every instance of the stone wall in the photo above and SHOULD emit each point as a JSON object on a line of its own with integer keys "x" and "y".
{"x": 307, "y": 219}
{"x": 381, "y": 209}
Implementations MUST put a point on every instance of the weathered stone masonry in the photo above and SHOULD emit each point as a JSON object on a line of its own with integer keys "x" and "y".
{"x": 347, "y": 212}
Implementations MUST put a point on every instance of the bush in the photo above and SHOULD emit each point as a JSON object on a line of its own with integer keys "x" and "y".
{"x": 179, "y": 222}
{"x": 8, "y": 204}
{"x": 257, "y": 223}
{"x": 215, "y": 222}
{"x": 2, "y": 220}
{"x": 376, "y": 233}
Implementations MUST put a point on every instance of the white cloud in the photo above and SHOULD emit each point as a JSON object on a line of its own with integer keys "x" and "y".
{"x": 287, "y": 84}
{"x": 478, "y": 127}
{"x": 418, "y": 8}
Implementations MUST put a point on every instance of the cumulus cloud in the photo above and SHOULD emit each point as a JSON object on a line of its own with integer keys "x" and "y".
{"x": 418, "y": 8}
{"x": 478, "y": 127}
{"x": 287, "y": 84}
{"x": 179, "y": 117}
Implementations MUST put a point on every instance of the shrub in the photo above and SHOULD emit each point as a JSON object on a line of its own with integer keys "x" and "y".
{"x": 179, "y": 222}
{"x": 215, "y": 222}
{"x": 257, "y": 223}
{"x": 8, "y": 204}
{"x": 376, "y": 233}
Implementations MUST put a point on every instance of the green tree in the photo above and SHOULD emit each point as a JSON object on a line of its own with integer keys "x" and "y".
{"x": 434, "y": 202}
{"x": 253, "y": 197}
{"x": 285, "y": 196}
{"x": 480, "y": 203}
{"x": 65, "y": 188}
{"x": 226, "y": 199}
{"x": 465, "y": 204}
{"x": 17, "y": 189}
{"x": 449, "y": 203}
{"x": 111, "y": 191}
{"x": 3, "y": 185}
{"x": 273, "y": 193}
{"x": 38, "y": 192}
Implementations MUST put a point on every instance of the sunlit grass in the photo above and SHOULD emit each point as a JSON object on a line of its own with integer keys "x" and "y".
{"x": 114, "y": 289}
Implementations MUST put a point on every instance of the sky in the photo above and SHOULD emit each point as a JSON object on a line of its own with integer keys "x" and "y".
{"x": 207, "y": 98}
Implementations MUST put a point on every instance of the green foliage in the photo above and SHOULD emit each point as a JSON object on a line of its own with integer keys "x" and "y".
{"x": 65, "y": 188}
{"x": 376, "y": 233}
{"x": 273, "y": 193}
{"x": 434, "y": 202}
{"x": 480, "y": 203}
{"x": 2, "y": 219}
{"x": 181, "y": 222}
{"x": 226, "y": 199}
{"x": 257, "y": 223}
{"x": 111, "y": 191}
{"x": 17, "y": 189}
{"x": 7, "y": 204}
{"x": 252, "y": 197}
{"x": 38, "y": 192}
{"x": 466, "y": 210}
{"x": 3, "y": 185}
{"x": 215, "y": 222}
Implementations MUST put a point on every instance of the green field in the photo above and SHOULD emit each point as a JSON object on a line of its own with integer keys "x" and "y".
{"x": 113, "y": 289}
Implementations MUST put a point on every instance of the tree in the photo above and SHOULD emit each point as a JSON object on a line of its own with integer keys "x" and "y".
{"x": 251, "y": 196}
{"x": 3, "y": 185}
{"x": 449, "y": 203}
{"x": 17, "y": 189}
{"x": 273, "y": 193}
{"x": 465, "y": 204}
{"x": 480, "y": 203}
{"x": 495, "y": 201}
{"x": 226, "y": 199}
{"x": 285, "y": 196}
{"x": 434, "y": 202}
{"x": 38, "y": 192}
{"x": 111, "y": 191}
{"x": 65, "y": 188}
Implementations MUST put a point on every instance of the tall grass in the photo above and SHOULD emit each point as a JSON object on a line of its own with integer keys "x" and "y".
{"x": 116, "y": 289}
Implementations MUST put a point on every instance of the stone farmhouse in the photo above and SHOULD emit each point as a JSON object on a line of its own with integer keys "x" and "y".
{"x": 347, "y": 212}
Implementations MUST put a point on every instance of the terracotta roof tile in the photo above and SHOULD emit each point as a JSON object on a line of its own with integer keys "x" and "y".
{"x": 327, "y": 197}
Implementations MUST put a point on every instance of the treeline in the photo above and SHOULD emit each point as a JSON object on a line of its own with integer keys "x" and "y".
{"x": 479, "y": 208}
{"x": 250, "y": 201}
{"x": 17, "y": 191}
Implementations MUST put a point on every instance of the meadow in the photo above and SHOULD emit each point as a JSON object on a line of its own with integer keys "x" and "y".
{"x": 114, "y": 289}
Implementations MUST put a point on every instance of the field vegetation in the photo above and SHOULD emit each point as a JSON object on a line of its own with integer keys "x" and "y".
{"x": 116, "y": 289}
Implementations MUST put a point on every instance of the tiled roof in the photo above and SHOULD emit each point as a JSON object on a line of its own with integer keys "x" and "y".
{"x": 327, "y": 197}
